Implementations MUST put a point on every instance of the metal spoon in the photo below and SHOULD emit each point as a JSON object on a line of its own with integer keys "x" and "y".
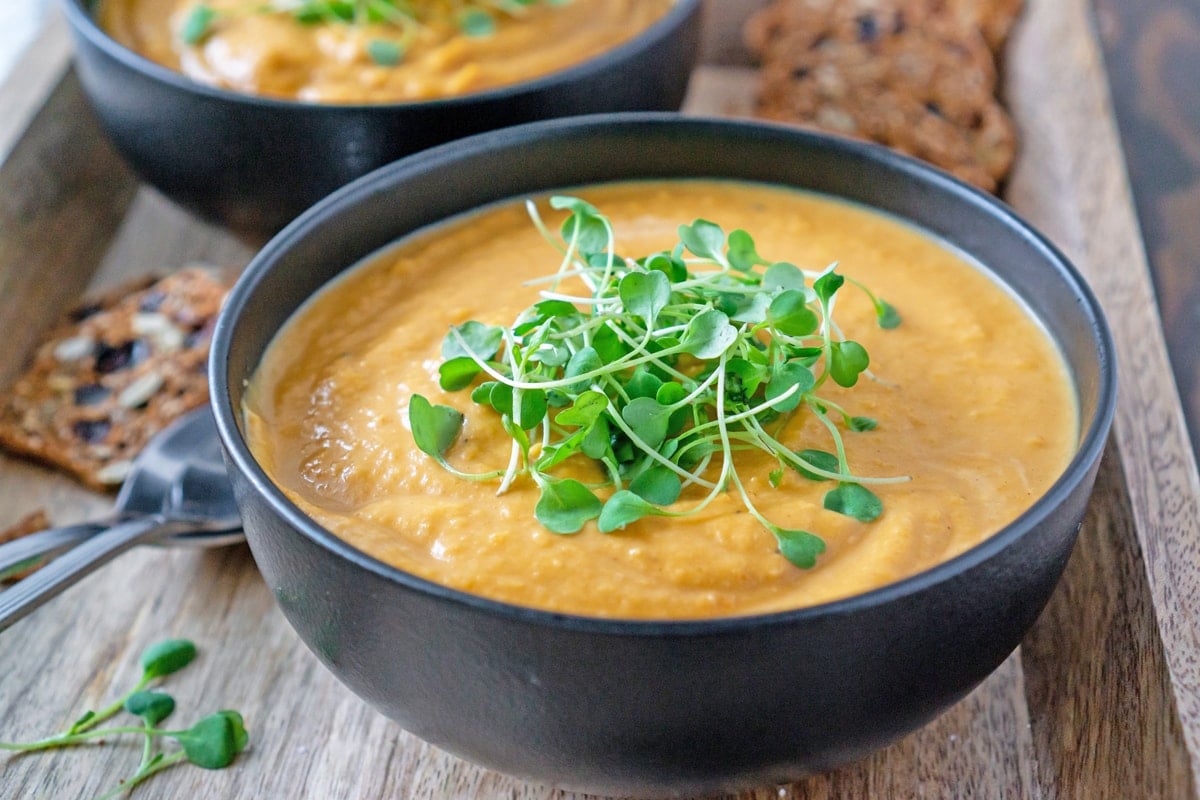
{"x": 177, "y": 489}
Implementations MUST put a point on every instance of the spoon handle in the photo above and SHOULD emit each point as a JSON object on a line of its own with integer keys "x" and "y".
{"x": 36, "y": 547}
{"x": 29, "y": 594}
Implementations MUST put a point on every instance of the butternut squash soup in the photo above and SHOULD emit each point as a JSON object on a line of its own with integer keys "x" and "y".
{"x": 372, "y": 51}
{"x": 675, "y": 399}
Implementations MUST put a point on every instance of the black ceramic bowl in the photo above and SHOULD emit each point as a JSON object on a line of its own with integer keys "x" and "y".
{"x": 638, "y": 707}
{"x": 254, "y": 163}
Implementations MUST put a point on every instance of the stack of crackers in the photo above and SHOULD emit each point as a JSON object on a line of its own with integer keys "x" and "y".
{"x": 919, "y": 76}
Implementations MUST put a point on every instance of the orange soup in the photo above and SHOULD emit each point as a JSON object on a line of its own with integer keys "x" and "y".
{"x": 963, "y": 418}
{"x": 344, "y": 51}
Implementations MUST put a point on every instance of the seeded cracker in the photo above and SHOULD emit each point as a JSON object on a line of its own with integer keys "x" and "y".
{"x": 994, "y": 18}
{"x": 112, "y": 374}
{"x": 916, "y": 75}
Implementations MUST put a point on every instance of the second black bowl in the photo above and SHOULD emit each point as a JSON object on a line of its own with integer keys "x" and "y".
{"x": 254, "y": 163}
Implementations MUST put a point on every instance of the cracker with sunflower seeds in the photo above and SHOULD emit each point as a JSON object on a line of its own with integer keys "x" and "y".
{"x": 113, "y": 373}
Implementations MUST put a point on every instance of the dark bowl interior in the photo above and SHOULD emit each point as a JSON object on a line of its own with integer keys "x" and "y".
{"x": 254, "y": 163}
{"x": 657, "y": 708}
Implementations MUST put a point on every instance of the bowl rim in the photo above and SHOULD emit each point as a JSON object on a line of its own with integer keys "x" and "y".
{"x": 84, "y": 24}
{"x": 1092, "y": 440}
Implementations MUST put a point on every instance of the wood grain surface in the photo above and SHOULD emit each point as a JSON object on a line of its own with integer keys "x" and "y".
{"x": 1098, "y": 703}
{"x": 63, "y": 171}
{"x": 1152, "y": 51}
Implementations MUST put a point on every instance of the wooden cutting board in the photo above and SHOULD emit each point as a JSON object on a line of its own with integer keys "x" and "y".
{"x": 1102, "y": 699}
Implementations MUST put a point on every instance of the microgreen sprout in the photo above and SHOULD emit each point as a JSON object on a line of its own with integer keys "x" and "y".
{"x": 401, "y": 20}
{"x": 660, "y": 371}
{"x": 212, "y": 743}
{"x": 385, "y": 53}
{"x": 198, "y": 24}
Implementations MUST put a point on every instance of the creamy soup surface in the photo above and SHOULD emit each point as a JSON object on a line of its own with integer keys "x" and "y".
{"x": 972, "y": 400}
{"x": 277, "y": 56}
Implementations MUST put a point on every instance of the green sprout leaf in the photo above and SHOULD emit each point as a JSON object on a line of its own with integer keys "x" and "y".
{"x": 645, "y": 294}
{"x": 566, "y": 505}
{"x": 643, "y": 383}
{"x": 554, "y": 454}
{"x": 550, "y": 354}
{"x": 483, "y": 340}
{"x": 316, "y": 12}
{"x": 241, "y": 737}
{"x": 585, "y": 225}
{"x": 704, "y": 239}
{"x": 434, "y": 428}
{"x": 167, "y": 657}
{"x": 674, "y": 268}
{"x": 476, "y": 22}
{"x": 860, "y": 424}
{"x": 499, "y": 397}
{"x": 82, "y": 722}
{"x": 695, "y": 454}
{"x": 198, "y": 24}
{"x": 648, "y": 419}
{"x": 550, "y": 309}
{"x": 799, "y": 547}
{"x": 597, "y": 442}
{"x": 827, "y": 285}
{"x": 608, "y": 345}
{"x": 790, "y": 315}
{"x": 708, "y": 335}
{"x": 534, "y": 405}
{"x": 886, "y": 315}
{"x": 584, "y": 412}
{"x": 750, "y": 308}
{"x": 623, "y": 508}
{"x": 575, "y": 205}
{"x": 848, "y": 360}
{"x": 742, "y": 255}
{"x": 854, "y": 500}
{"x": 557, "y": 399}
{"x": 784, "y": 276}
{"x": 657, "y": 485}
{"x": 744, "y": 377}
{"x": 385, "y": 53}
{"x": 819, "y": 459}
{"x": 482, "y": 394}
{"x": 213, "y": 742}
{"x": 788, "y": 375}
{"x": 585, "y": 360}
{"x": 670, "y": 393}
{"x": 153, "y": 707}
{"x": 457, "y": 373}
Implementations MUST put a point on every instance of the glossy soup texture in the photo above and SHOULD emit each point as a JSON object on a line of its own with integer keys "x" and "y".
{"x": 972, "y": 400}
{"x": 276, "y": 56}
